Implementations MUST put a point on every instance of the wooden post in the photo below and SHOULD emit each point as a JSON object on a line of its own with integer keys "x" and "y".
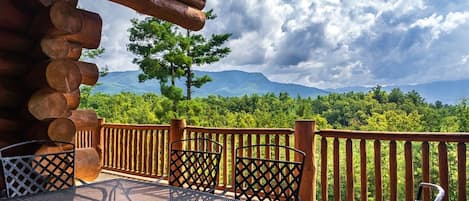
{"x": 96, "y": 138}
{"x": 176, "y": 132}
{"x": 304, "y": 141}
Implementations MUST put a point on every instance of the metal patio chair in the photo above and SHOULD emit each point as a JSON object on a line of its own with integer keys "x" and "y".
{"x": 260, "y": 178}
{"x": 194, "y": 164}
{"x": 30, "y": 174}
{"x": 439, "y": 196}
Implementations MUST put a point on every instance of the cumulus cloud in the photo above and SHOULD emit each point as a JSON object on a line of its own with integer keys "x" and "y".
{"x": 442, "y": 24}
{"x": 116, "y": 21}
{"x": 326, "y": 43}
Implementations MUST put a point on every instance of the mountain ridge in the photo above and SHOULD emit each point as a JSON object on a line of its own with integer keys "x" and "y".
{"x": 238, "y": 83}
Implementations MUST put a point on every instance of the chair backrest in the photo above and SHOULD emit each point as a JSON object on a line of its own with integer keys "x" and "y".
{"x": 439, "y": 196}
{"x": 30, "y": 174}
{"x": 194, "y": 164}
{"x": 261, "y": 178}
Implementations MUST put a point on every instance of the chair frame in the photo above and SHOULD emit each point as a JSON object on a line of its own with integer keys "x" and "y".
{"x": 196, "y": 169}
{"x": 31, "y": 174}
{"x": 439, "y": 196}
{"x": 244, "y": 184}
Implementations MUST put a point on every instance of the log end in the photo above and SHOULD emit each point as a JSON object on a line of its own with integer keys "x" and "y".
{"x": 88, "y": 165}
{"x": 61, "y": 130}
{"x": 65, "y": 17}
{"x": 63, "y": 75}
{"x": 46, "y": 104}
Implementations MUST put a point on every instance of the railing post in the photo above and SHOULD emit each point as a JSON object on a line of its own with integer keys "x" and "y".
{"x": 304, "y": 141}
{"x": 96, "y": 141}
{"x": 176, "y": 132}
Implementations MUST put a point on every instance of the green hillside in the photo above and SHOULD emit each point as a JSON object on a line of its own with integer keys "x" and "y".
{"x": 226, "y": 83}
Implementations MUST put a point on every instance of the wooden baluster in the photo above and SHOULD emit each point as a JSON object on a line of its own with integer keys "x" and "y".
{"x": 120, "y": 152}
{"x": 128, "y": 149}
{"x": 462, "y": 179}
{"x": 189, "y": 144}
{"x": 349, "y": 170}
{"x": 157, "y": 152}
{"x": 277, "y": 150}
{"x": 110, "y": 147}
{"x": 225, "y": 166}
{"x": 146, "y": 160}
{"x": 233, "y": 160}
{"x": 393, "y": 170}
{"x": 115, "y": 146}
{"x": 409, "y": 172}
{"x": 426, "y": 169}
{"x": 218, "y": 139}
{"x": 105, "y": 148}
{"x": 151, "y": 155}
{"x": 162, "y": 151}
{"x": 287, "y": 143}
{"x": 249, "y": 144}
{"x": 324, "y": 190}
{"x": 135, "y": 154}
{"x": 241, "y": 143}
{"x": 378, "y": 183}
{"x": 267, "y": 149}
{"x": 196, "y": 145}
{"x": 336, "y": 170}
{"x": 443, "y": 167}
{"x": 202, "y": 143}
{"x": 258, "y": 141}
{"x": 363, "y": 174}
{"x": 210, "y": 145}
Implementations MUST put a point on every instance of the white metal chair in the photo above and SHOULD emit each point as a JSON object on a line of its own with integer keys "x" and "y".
{"x": 439, "y": 196}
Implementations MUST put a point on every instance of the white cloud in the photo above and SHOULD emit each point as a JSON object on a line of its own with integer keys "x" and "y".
{"x": 324, "y": 43}
{"x": 442, "y": 24}
{"x": 465, "y": 59}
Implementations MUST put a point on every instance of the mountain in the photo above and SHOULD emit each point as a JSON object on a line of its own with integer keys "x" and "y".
{"x": 225, "y": 83}
{"x": 238, "y": 83}
{"x": 448, "y": 92}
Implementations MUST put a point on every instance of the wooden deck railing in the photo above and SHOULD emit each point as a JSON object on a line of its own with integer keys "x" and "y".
{"x": 232, "y": 138}
{"x": 136, "y": 149}
{"x": 408, "y": 158}
{"x": 378, "y": 165}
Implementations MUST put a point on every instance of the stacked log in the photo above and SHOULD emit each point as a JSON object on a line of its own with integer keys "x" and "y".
{"x": 40, "y": 74}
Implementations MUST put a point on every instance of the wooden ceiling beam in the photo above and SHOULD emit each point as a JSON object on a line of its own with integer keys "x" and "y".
{"x": 170, "y": 10}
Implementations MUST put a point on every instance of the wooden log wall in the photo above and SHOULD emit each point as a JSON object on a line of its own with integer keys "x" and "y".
{"x": 40, "y": 73}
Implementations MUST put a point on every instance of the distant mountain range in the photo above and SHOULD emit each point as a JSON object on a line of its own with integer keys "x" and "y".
{"x": 238, "y": 83}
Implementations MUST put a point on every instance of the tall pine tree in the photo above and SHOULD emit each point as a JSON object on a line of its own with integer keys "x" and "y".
{"x": 203, "y": 51}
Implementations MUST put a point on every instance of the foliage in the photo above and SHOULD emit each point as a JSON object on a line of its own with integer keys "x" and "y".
{"x": 203, "y": 51}
{"x": 398, "y": 111}
{"x": 160, "y": 54}
{"x": 376, "y": 110}
{"x": 164, "y": 52}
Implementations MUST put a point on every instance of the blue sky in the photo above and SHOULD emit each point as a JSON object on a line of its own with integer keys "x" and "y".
{"x": 323, "y": 43}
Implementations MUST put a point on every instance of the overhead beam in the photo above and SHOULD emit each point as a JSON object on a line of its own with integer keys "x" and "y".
{"x": 169, "y": 10}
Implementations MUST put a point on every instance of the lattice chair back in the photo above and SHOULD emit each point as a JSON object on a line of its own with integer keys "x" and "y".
{"x": 30, "y": 174}
{"x": 266, "y": 177}
{"x": 194, "y": 164}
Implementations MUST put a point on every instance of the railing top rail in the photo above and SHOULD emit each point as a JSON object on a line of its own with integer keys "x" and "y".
{"x": 281, "y": 131}
{"x": 137, "y": 126}
{"x": 396, "y": 136}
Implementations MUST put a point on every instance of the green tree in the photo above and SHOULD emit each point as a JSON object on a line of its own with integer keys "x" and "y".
{"x": 85, "y": 91}
{"x": 160, "y": 54}
{"x": 203, "y": 51}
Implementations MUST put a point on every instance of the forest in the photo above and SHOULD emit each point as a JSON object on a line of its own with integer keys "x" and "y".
{"x": 376, "y": 110}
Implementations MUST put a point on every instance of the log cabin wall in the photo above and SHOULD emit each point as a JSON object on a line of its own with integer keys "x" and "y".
{"x": 40, "y": 73}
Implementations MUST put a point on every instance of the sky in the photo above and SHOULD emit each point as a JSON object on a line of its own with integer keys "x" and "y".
{"x": 322, "y": 43}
